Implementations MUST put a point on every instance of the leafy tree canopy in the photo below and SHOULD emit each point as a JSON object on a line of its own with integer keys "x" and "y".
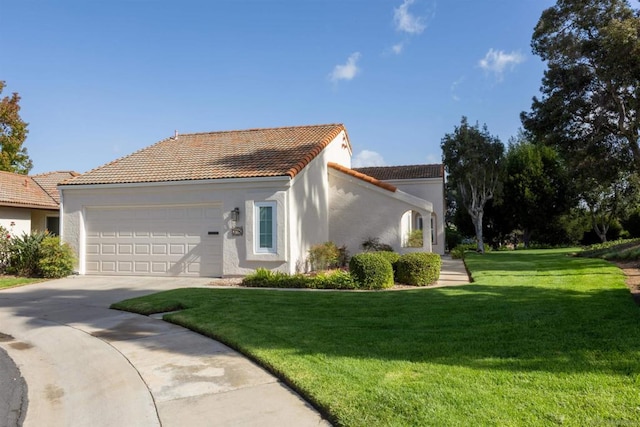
{"x": 536, "y": 188}
{"x": 13, "y": 132}
{"x": 472, "y": 158}
{"x": 591, "y": 88}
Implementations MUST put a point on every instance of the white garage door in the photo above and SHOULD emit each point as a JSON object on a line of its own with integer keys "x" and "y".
{"x": 159, "y": 240}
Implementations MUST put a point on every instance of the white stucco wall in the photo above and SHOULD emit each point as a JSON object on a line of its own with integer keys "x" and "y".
{"x": 39, "y": 219}
{"x": 309, "y": 201}
{"x": 431, "y": 189}
{"x": 19, "y": 217}
{"x": 359, "y": 211}
{"x": 237, "y": 250}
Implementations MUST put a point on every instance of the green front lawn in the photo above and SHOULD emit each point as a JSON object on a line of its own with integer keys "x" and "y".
{"x": 540, "y": 338}
{"x": 10, "y": 281}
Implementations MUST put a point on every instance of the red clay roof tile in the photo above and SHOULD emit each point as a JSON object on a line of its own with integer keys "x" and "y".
{"x": 362, "y": 177}
{"x": 249, "y": 153}
{"x": 22, "y": 191}
{"x": 385, "y": 173}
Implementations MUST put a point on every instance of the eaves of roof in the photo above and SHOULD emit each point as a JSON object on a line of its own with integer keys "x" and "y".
{"x": 362, "y": 177}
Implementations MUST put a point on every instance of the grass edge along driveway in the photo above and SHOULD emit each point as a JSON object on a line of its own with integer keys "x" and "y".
{"x": 7, "y": 282}
{"x": 540, "y": 338}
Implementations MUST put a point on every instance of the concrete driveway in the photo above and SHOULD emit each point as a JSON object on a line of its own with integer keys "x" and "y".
{"x": 87, "y": 365}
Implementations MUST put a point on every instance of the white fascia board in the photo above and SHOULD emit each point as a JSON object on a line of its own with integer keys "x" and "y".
{"x": 266, "y": 181}
{"x": 413, "y": 200}
{"x": 416, "y": 202}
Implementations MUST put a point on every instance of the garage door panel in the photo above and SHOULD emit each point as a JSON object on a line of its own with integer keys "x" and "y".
{"x": 142, "y": 267}
{"x": 157, "y": 249}
{"x": 159, "y": 267}
{"x": 156, "y": 241}
{"x": 125, "y": 249}
{"x": 124, "y": 266}
{"x": 107, "y": 266}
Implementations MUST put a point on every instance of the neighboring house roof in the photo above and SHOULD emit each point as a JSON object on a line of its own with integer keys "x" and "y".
{"x": 37, "y": 191}
{"x": 249, "y": 153}
{"x": 362, "y": 177}
{"x": 49, "y": 182}
{"x": 385, "y": 173}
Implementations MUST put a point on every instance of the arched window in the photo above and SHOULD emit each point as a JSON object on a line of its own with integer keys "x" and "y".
{"x": 433, "y": 230}
{"x": 411, "y": 225}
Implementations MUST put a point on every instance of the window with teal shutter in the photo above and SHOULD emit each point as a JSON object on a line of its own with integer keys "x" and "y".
{"x": 266, "y": 229}
{"x": 265, "y": 225}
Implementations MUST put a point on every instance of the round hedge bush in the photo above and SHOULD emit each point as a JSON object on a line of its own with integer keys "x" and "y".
{"x": 392, "y": 257}
{"x": 418, "y": 268}
{"x": 371, "y": 271}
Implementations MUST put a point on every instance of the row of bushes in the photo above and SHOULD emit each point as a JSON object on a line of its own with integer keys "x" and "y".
{"x": 368, "y": 270}
{"x": 333, "y": 279}
{"x": 35, "y": 255}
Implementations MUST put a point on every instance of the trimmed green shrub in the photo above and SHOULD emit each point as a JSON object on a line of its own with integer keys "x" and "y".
{"x": 335, "y": 279}
{"x": 264, "y": 278}
{"x": 55, "y": 259}
{"x": 324, "y": 256}
{"x": 392, "y": 257}
{"x": 419, "y": 268}
{"x": 24, "y": 254}
{"x": 371, "y": 271}
{"x": 458, "y": 251}
{"x": 414, "y": 239}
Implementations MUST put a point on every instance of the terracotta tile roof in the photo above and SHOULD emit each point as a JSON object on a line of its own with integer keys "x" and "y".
{"x": 22, "y": 191}
{"x": 249, "y": 153}
{"x": 385, "y": 173}
{"x": 362, "y": 176}
{"x": 49, "y": 182}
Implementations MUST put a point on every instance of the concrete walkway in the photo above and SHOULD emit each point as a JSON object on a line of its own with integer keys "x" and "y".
{"x": 452, "y": 273}
{"x": 87, "y": 365}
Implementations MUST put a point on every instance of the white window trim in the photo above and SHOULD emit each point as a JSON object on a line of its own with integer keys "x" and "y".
{"x": 274, "y": 228}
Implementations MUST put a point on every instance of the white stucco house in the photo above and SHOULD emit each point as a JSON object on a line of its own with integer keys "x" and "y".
{"x": 225, "y": 203}
{"x": 30, "y": 203}
{"x": 424, "y": 181}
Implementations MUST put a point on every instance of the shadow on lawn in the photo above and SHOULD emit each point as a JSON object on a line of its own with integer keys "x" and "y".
{"x": 487, "y": 327}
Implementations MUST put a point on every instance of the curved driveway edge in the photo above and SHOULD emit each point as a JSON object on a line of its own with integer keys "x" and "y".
{"x": 13, "y": 390}
{"x": 88, "y": 365}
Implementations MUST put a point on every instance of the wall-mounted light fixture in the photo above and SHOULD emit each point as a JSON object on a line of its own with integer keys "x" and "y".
{"x": 235, "y": 214}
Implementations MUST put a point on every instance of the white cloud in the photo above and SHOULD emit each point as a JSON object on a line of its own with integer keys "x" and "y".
{"x": 406, "y": 21}
{"x": 454, "y": 89}
{"x": 367, "y": 158}
{"x": 348, "y": 70}
{"x": 397, "y": 48}
{"x": 497, "y": 61}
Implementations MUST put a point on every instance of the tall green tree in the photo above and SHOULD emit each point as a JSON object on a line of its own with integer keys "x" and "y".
{"x": 591, "y": 88}
{"x": 536, "y": 188}
{"x": 13, "y": 132}
{"x": 472, "y": 159}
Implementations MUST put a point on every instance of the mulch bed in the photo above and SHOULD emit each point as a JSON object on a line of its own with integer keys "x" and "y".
{"x": 632, "y": 272}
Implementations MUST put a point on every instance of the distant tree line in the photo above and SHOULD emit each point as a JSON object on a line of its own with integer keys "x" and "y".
{"x": 572, "y": 174}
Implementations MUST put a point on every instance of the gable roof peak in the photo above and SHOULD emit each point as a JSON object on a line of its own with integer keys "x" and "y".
{"x": 250, "y": 153}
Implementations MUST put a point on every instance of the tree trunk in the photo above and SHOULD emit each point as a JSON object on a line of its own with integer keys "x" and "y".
{"x": 526, "y": 237}
{"x": 602, "y": 234}
{"x": 477, "y": 224}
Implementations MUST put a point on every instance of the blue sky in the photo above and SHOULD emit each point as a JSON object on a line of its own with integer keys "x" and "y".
{"x": 102, "y": 79}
